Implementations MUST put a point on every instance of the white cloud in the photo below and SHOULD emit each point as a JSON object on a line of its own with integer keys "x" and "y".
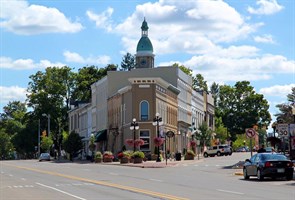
{"x": 26, "y": 64}
{"x": 264, "y": 39}
{"x": 21, "y": 18}
{"x": 102, "y": 20}
{"x": 91, "y": 60}
{"x": 265, "y": 7}
{"x": 277, "y": 90}
{"x": 193, "y": 27}
{"x": 12, "y": 93}
{"x": 239, "y": 63}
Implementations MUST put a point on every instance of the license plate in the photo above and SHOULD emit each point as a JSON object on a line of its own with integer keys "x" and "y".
{"x": 281, "y": 170}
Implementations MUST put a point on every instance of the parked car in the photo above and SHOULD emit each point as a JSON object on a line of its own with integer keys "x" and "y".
{"x": 44, "y": 156}
{"x": 218, "y": 150}
{"x": 242, "y": 149}
{"x": 268, "y": 165}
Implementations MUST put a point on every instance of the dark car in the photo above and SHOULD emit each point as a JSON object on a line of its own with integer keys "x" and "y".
{"x": 268, "y": 165}
{"x": 44, "y": 156}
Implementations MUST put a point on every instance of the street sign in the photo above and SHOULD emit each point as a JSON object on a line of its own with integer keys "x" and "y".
{"x": 283, "y": 129}
{"x": 170, "y": 134}
{"x": 250, "y": 132}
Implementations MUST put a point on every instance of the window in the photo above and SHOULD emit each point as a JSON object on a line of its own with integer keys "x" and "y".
{"x": 145, "y": 136}
{"x": 144, "y": 111}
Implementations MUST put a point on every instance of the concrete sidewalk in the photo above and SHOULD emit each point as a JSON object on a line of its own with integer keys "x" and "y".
{"x": 154, "y": 164}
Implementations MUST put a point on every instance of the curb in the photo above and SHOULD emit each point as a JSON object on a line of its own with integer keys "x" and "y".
{"x": 239, "y": 174}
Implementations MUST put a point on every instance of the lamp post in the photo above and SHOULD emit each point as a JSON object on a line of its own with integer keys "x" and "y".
{"x": 38, "y": 137}
{"x": 92, "y": 146}
{"x": 134, "y": 126}
{"x": 157, "y": 122}
{"x": 48, "y": 117}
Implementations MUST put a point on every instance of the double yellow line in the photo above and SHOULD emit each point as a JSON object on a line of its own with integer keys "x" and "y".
{"x": 113, "y": 185}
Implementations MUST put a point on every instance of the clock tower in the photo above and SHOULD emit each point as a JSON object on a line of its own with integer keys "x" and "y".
{"x": 144, "y": 51}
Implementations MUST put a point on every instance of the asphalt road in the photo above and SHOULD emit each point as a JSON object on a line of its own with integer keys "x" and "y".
{"x": 209, "y": 178}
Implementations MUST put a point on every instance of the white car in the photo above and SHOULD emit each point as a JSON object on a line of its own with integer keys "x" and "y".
{"x": 44, "y": 156}
{"x": 218, "y": 150}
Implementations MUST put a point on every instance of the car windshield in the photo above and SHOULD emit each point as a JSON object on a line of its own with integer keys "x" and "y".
{"x": 273, "y": 157}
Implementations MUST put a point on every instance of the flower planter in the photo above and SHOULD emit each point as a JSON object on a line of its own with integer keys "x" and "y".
{"x": 189, "y": 157}
{"x": 107, "y": 160}
{"x": 124, "y": 160}
{"x": 137, "y": 160}
{"x": 97, "y": 160}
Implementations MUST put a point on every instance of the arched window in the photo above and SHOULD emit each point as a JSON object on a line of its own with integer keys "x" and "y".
{"x": 144, "y": 111}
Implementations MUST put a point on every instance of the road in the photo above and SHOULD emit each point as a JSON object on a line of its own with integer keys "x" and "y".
{"x": 209, "y": 178}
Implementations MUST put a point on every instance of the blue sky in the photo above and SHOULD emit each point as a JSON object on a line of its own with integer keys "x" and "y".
{"x": 226, "y": 41}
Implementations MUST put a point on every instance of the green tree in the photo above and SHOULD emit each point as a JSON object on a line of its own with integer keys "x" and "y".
{"x": 214, "y": 89}
{"x": 128, "y": 62}
{"x": 6, "y": 147}
{"x": 73, "y": 144}
{"x": 204, "y": 134}
{"x": 285, "y": 115}
{"x": 186, "y": 70}
{"x": 240, "y": 107}
{"x": 199, "y": 83}
{"x": 46, "y": 143}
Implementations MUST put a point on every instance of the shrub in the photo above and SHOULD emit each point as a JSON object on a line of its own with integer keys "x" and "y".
{"x": 190, "y": 152}
{"x": 138, "y": 154}
{"x": 98, "y": 154}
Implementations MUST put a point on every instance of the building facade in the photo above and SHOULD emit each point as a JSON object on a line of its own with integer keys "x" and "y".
{"x": 140, "y": 93}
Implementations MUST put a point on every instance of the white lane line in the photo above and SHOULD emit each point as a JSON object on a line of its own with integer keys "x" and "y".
{"x": 23, "y": 179}
{"x": 157, "y": 180}
{"x": 228, "y": 191}
{"x": 60, "y": 191}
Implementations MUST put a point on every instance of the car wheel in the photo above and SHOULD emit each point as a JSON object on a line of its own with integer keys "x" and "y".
{"x": 205, "y": 155}
{"x": 218, "y": 153}
{"x": 245, "y": 174}
{"x": 259, "y": 176}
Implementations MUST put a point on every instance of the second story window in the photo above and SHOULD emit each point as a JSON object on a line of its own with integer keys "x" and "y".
{"x": 144, "y": 111}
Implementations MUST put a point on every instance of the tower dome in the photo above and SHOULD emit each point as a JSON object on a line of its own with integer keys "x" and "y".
{"x": 144, "y": 50}
{"x": 144, "y": 44}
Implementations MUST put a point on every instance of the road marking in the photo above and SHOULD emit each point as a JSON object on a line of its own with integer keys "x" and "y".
{"x": 114, "y": 174}
{"x": 23, "y": 179}
{"x": 103, "y": 183}
{"x": 228, "y": 191}
{"x": 60, "y": 191}
{"x": 157, "y": 180}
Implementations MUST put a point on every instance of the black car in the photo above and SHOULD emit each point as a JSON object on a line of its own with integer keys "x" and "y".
{"x": 268, "y": 165}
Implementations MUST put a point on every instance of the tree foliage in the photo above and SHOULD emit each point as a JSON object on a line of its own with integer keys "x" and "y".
{"x": 285, "y": 115}
{"x": 240, "y": 108}
{"x": 46, "y": 143}
{"x": 73, "y": 144}
{"x": 128, "y": 62}
{"x": 6, "y": 147}
{"x": 199, "y": 83}
{"x": 186, "y": 70}
{"x": 204, "y": 134}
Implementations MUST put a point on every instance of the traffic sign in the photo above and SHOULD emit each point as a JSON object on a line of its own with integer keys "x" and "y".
{"x": 250, "y": 132}
{"x": 283, "y": 129}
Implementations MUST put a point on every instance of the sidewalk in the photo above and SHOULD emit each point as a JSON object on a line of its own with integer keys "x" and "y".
{"x": 154, "y": 164}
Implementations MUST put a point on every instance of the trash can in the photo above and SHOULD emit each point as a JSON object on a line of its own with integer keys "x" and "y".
{"x": 178, "y": 156}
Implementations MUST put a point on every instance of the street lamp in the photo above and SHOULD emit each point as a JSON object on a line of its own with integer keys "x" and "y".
{"x": 48, "y": 116}
{"x": 38, "y": 137}
{"x": 158, "y": 122}
{"x": 134, "y": 126}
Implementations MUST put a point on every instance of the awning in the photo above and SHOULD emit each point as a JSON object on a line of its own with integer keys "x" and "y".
{"x": 101, "y": 135}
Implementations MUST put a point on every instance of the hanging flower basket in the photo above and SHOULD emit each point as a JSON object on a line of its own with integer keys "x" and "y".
{"x": 193, "y": 143}
{"x": 158, "y": 141}
{"x": 138, "y": 142}
{"x": 130, "y": 142}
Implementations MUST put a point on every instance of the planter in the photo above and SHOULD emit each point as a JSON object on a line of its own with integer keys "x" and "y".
{"x": 97, "y": 160}
{"x": 107, "y": 160}
{"x": 154, "y": 157}
{"x": 124, "y": 160}
{"x": 189, "y": 157}
{"x": 137, "y": 160}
